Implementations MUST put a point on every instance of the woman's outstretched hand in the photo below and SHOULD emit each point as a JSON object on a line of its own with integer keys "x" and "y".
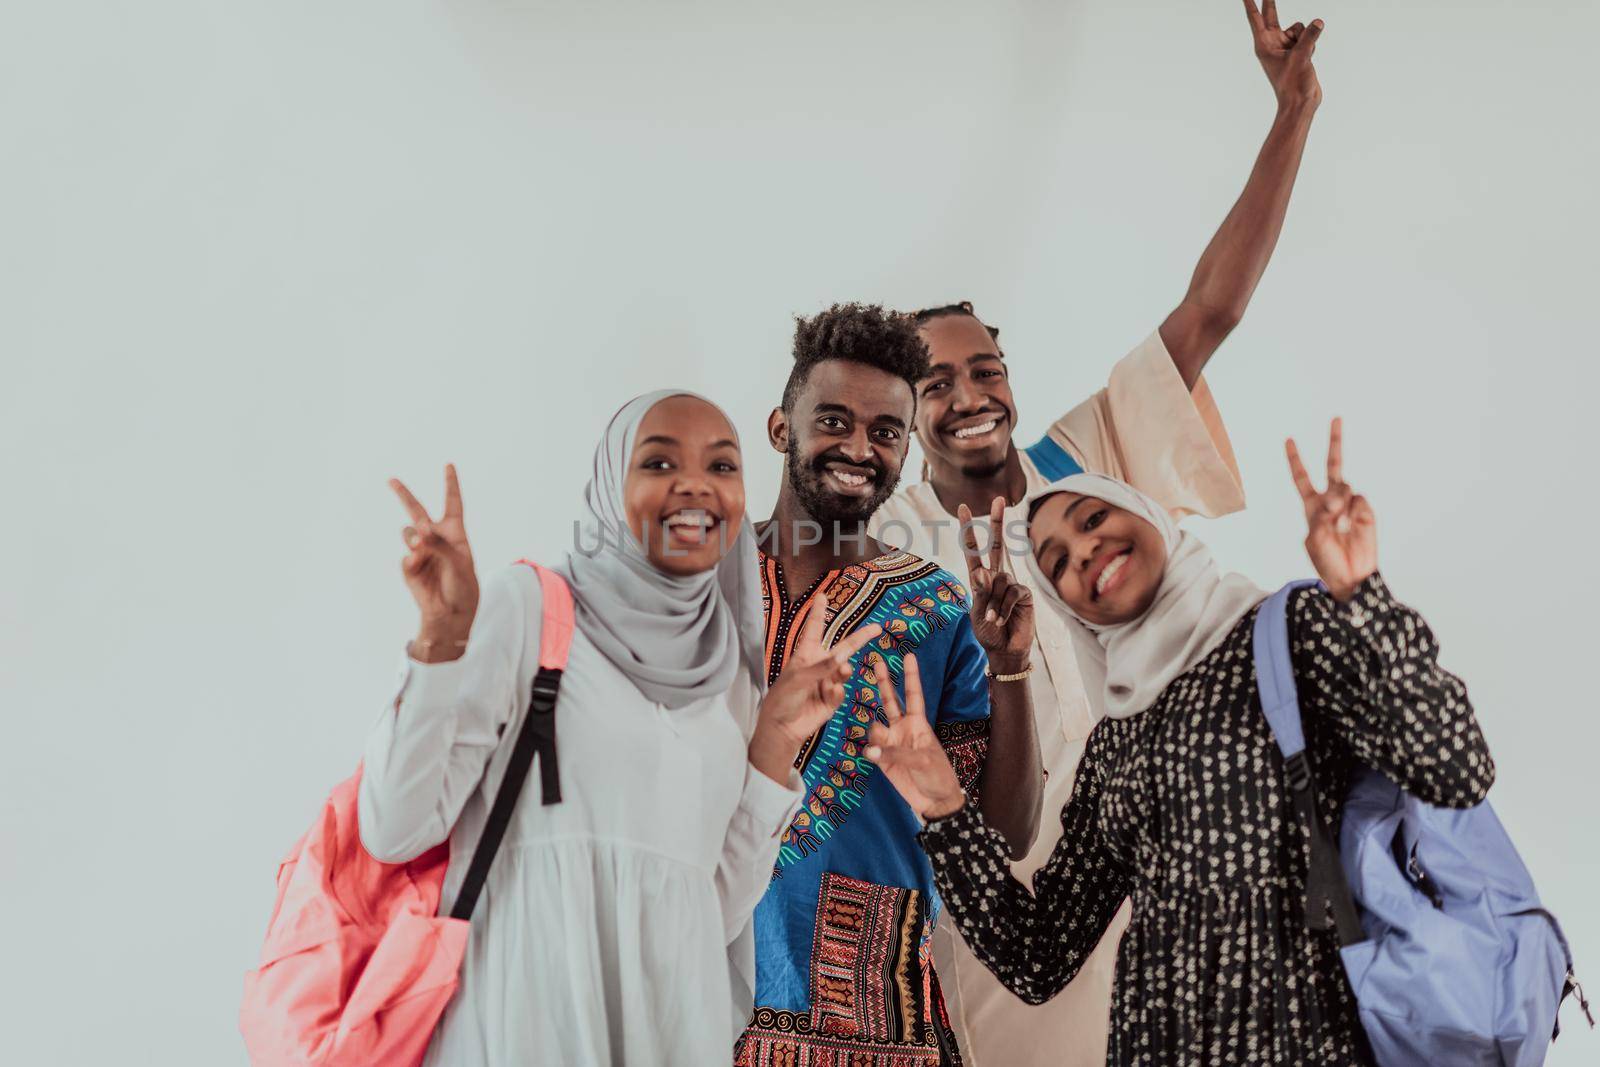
{"x": 805, "y": 696}
{"x": 908, "y": 753}
{"x": 1343, "y": 530}
{"x": 438, "y": 570}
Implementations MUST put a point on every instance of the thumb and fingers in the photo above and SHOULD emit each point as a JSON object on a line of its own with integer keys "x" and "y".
{"x": 415, "y": 509}
{"x": 830, "y": 668}
{"x": 1335, "y": 509}
{"x": 1017, "y": 598}
{"x": 1336, "y": 500}
{"x": 995, "y": 596}
{"x": 913, "y": 676}
{"x": 997, "y": 518}
{"x": 886, "y": 694}
{"x": 1306, "y": 41}
{"x": 812, "y": 644}
{"x": 888, "y": 748}
{"x": 977, "y": 570}
{"x": 1264, "y": 24}
{"x": 422, "y": 536}
{"x": 893, "y": 709}
{"x": 910, "y": 706}
{"x": 452, "y": 492}
{"x": 1336, "y": 451}
{"x": 1337, "y": 492}
{"x": 811, "y": 631}
{"x": 413, "y": 506}
{"x": 853, "y": 643}
{"x": 1297, "y": 471}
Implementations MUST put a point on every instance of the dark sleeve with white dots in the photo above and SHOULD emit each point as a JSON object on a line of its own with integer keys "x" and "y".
{"x": 1369, "y": 668}
{"x": 1034, "y": 942}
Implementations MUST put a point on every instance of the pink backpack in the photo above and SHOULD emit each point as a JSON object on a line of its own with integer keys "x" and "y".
{"x": 358, "y": 965}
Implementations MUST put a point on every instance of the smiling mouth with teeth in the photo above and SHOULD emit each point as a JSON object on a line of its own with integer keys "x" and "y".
{"x": 976, "y": 431}
{"x": 693, "y": 526}
{"x": 1108, "y": 572}
{"x": 849, "y": 479}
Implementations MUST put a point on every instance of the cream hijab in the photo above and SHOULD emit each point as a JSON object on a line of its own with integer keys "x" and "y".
{"x": 677, "y": 638}
{"x": 1126, "y": 667}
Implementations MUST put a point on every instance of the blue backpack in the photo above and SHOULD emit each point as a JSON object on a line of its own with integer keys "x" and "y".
{"x": 1451, "y": 956}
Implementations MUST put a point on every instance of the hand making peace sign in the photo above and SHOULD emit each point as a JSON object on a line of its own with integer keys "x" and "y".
{"x": 1001, "y": 607}
{"x": 805, "y": 696}
{"x": 811, "y": 687}
{"x": 1285, "y": 54}
{"x": 1343, "y": 537}
{"x": 907, "y": 752}
{"x": 438, "y": 570}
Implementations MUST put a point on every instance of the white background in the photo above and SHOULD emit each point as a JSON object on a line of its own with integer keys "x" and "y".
{"x": 258, "y": 257}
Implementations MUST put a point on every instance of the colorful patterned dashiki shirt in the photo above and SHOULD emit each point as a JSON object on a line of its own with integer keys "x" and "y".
{"x": 844, "y": 973}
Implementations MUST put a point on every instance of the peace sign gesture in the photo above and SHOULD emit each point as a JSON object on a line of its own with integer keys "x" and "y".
{"x": 907, "y": 752}
{"x": 811, "y": 687}
{"x": 1001, "y": 607}
{"x": 805, "y": 696}
{"x": 438, "y": 571}
{"x": 1343, "y": 537}
{"x": 1285, "y": 54}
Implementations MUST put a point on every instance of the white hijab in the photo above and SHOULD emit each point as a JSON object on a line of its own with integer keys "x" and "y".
{"x": 1126, "y": 666}
{"x": 678, "y": 638}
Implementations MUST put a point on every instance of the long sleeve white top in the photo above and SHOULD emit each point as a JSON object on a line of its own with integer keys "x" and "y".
{"x": 614, "y": 926}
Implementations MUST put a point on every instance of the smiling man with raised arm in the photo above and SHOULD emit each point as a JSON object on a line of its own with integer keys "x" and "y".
{"x": 1156, "y": 426}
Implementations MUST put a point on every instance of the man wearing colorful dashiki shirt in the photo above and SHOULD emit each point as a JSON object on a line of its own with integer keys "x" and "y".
{"x": 843, "y": 972}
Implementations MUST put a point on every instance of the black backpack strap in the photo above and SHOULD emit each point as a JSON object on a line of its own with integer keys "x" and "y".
{"x": 537, "y": 736}
{"x": 1329, "y": 903}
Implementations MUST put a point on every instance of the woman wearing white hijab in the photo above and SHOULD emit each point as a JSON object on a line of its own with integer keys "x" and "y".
{"x": 1180, "y": 801}
{"x": 614, "y": 926}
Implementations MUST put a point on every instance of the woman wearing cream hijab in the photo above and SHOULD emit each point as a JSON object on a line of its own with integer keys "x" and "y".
{"x": 1181, "y": 801}
{"x": 613, "y": 927}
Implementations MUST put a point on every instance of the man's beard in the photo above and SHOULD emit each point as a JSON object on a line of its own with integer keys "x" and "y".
{"x": 977, "y": 469}
{"x": 826, "y": 506}
{"x": 984, "y": 471}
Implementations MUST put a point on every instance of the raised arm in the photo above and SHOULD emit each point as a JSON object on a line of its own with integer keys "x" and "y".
{"x": 1369, "y": 665}
{"x": 1011, "y": 792}
{"x": 427, "y": 752}
{"x": 1232, "y": 264}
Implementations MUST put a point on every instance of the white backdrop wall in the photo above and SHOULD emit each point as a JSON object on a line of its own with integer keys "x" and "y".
{"x": 258, "y": 257}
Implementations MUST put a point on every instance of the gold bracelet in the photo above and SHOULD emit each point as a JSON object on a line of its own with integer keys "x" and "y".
{"x": 1019, "y": 676}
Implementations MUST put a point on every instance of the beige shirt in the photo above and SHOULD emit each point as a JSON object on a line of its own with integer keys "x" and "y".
{"x": 1148, "y": 430}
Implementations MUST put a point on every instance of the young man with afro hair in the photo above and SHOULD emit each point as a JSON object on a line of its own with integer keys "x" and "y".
{"x": 842, "y": 969}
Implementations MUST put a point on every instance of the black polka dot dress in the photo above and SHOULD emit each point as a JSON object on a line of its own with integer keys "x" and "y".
{"x": 1184, "y": 808}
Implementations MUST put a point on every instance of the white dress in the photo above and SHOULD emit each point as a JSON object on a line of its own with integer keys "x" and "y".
{"x": 613, "y": 928}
